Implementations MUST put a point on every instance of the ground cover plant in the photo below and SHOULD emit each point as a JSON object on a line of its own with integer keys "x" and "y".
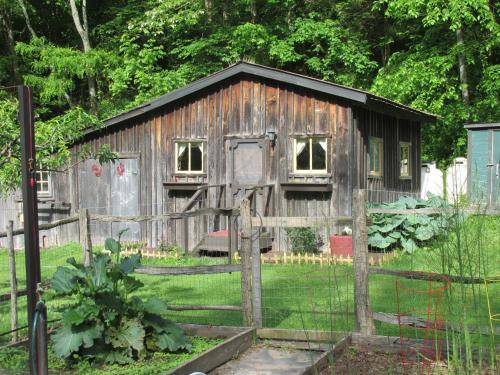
{"x": 104, "y": 322}
{"x": 407, "y": 231}
{"x": 15, "y": 361}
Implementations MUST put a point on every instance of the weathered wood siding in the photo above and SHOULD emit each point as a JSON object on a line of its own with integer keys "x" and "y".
{"x": 390, "y": 185}
{"x": 247, "y": 108}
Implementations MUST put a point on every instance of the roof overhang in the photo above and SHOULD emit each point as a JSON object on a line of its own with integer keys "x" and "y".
{"x": 359, "y": 97}
{"x": 493, "y": 125}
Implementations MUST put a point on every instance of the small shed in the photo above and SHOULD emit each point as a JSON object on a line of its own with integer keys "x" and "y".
{"x": 484, "y": 163}
{"x": 301, "y": 144}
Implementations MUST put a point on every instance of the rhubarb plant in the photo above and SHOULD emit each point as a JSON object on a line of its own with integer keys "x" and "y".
{"x": 106, "y": 323}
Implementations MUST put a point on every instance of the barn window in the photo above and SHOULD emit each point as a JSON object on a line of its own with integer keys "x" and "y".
{"x": 189, "y": 157}
{"x": 43, "y": 183}
{"x": 404, "y": 159}
{"x": 310, "y": 155}
{"x": 376, "y": 154}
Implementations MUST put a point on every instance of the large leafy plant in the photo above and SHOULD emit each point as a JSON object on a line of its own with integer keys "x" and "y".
{"x": 407, "y": 231}
{"x": 106, "y": 323}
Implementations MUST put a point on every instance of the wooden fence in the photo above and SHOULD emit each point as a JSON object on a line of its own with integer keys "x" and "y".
{"x": 249, "y": 256}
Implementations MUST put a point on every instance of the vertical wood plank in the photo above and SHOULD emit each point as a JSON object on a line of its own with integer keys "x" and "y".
{"x": 12, "y": 279}
{"x": 364, "y": 316}
{"x": 85, "y": 236}
{"x": 246, "y": 263}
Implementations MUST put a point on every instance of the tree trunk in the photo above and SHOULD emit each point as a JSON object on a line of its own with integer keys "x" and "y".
{"x": 209, "y": 9}
{"x": 464, "y": 84}
{"x": 253, "y": 10}
{"x": 83, "y": 31}
{"x": 26, "y": 18}
{"x": 11, "y": 46}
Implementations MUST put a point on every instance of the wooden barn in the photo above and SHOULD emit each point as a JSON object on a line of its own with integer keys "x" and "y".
{"x": 483, "y": 168}
{"x": 300, "y": 143}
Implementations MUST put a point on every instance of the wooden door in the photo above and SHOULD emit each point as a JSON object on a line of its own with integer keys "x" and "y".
{"x": 247, "y": 168}
{"x": 125, "y": 197}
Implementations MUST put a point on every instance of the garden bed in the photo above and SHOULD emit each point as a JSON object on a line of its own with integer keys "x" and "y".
{"x": 212, "y": 346}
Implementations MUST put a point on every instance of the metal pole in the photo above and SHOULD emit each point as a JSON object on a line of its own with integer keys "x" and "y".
{"x": 30, "y": 211}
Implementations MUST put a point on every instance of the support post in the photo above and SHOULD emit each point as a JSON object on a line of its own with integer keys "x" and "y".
{"x": 256, "y": 280}
{"x": 85, "y": 237}
{"x": 364, "y": 316}
{"x": 30, "y": 214}
{"x": 185, "y": 223}
{"x": 246, "y": 264}
{"x": 230, "y": 238}
{"x": 13, "y": 280}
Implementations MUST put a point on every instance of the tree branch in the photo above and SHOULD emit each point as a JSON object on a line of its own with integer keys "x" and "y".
{"x": 27, "y": 18}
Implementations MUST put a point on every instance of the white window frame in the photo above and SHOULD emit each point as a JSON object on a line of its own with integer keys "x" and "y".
{"x": 310, "y": 170}
{"x": 189, "y": 142}
{"x": 371, "y": 172}
{"x": 401, "y": 145}
{"x": 39, "y": 180}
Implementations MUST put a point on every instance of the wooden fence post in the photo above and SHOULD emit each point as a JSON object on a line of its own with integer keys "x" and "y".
{"x": 364, "y": 316}
{"x": 85, "y": 237}
{"x": 13, "y": 280}
{"x": 256, "y": 280}
{"x": 246, "y": 264}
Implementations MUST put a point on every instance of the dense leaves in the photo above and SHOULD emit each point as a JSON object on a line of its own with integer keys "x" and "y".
{"x": 436, "y": 55}
{"x": 407, "y": 231}
{"x": 104, "y": 323}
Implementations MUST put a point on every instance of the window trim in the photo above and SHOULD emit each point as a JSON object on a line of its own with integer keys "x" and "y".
{"x": 380, "y": 142}
{"x": 50, "y": 191}
{"x": 176, "y": 161}
{"x": 409, "y": 175}
{"x": 309, "y": 171}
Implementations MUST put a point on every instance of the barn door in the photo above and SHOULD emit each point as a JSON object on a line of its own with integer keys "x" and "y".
{"x": 247, "y": 169}
{"x": 125, "y": 197}
{"x": 495, "y": 175}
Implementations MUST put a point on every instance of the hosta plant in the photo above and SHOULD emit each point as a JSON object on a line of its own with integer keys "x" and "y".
{"x": 106, "y": 323}
{"x": 408, "y": 231}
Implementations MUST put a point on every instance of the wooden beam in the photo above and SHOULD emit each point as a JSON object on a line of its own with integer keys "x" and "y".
{"x": 329, "y": 357}
{"x": 85, "y": 237}
{"x": 300, "y": 221}
{"x": 204, "y": 307}
{"x": 54, "y": 224}
{"x": 299, "y": 335}
{"x": 211, "y": 331}
{"x": 364, "y": 318}
{"x": 246, "y": 262}
{"x": 172, "y": 216}
{"x": 218, "y": 355}
{"x": 430, "y": 276}
{"x": 189, "y": 270}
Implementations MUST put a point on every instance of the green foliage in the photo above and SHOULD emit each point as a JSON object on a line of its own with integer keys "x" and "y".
{"x": 405, "y": 50}
{"x": 104, "y": 323}
{"x": 304, "y": 240}
{"x": 407, "y": 231}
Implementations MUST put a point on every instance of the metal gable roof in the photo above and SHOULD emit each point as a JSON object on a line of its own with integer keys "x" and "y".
{"x": 354, "y": 95}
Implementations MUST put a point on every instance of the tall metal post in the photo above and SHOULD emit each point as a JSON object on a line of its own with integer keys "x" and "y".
{"x": 30, "y": 214}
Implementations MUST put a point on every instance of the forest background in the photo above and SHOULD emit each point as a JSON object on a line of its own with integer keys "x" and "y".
{"x": 90, "y": 59}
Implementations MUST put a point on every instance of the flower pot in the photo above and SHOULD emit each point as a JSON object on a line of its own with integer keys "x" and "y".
{"x": 341, "y": 245}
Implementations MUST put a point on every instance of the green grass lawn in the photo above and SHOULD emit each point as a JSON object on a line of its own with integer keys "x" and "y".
{"x": 303, "y": 296}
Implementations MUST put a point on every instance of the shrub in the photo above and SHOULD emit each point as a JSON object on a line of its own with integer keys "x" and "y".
{"x": 105, "y": 323}
{"x": 304, "y": 239}
{"x": 407, "y": 231}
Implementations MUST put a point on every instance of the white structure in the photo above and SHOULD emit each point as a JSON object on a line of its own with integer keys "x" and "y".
{"x": 456, "y": 180}
{"x": 431, "y": 180}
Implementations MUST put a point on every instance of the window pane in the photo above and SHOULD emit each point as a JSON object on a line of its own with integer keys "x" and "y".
{"x": 196, "y": 157}
{"x": 405, "y": 157}
{"x": 318, "y": 154}
{"x": 302, "y": 152}
{"x": 182, "y": 157}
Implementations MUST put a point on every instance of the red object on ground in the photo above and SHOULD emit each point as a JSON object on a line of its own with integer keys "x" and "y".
{"x": 341, "y": 245}
{"x": 220, "y": 233}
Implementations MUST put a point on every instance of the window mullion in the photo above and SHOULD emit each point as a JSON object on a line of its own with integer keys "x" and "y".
{"x": 189, "y": 156}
